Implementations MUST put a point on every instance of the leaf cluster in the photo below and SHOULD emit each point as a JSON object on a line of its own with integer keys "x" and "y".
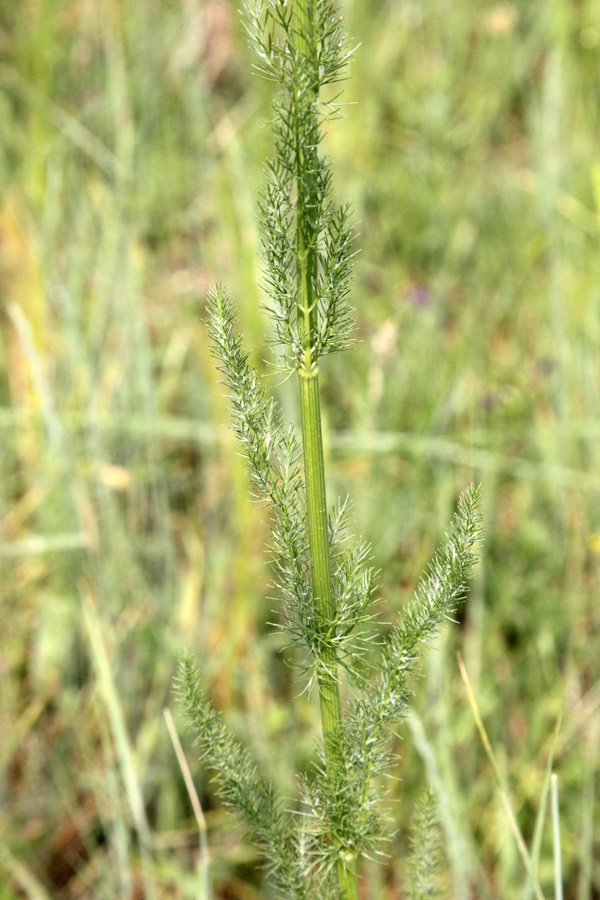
{"x": 305, "y": 237}
{"x": 424, "y": 864}
{"x": 341, "y": 807}
{"x": 340, "y": 804}
{"x": 297, "y": 40}
{"x": 346, "y": 804}
{"x": 273, "y": 455}
{"x": 243, "y": 789}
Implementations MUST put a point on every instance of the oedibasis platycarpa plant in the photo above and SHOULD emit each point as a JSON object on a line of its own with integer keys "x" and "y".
{"x": 325, "y": 581}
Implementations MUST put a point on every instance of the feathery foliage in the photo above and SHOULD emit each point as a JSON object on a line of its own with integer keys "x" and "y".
{"x": 244, "y": 790}
{"x": 424, "y": 861}
{"x": 325, "y": 582}
{"x": 306, "y": 238}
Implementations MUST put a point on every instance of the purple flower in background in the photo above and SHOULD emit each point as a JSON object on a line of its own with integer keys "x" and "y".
{"x": 418, "y": 295}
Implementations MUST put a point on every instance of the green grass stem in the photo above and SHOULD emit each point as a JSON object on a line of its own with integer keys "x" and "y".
{"x": 502, "y": 785}
{"x": 556, "y": 842}
{"x": 122, "y": 742}
{"x": 204, "y": 853}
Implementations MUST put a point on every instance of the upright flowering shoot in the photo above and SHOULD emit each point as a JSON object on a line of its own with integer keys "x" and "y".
{"x": 325, "y": 583}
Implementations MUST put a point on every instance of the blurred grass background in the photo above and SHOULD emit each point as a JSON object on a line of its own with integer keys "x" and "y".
{"x": 130, "y": 159}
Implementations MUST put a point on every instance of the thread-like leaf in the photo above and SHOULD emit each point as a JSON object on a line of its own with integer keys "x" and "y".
{"x": 244, "y": 790}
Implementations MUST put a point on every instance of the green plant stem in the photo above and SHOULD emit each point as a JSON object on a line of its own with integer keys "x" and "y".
{"x": 304, "y": 13}
{"x": 327, "y": 669}
{"x": 318, "y": 530}
{"x": 314, "y": 470}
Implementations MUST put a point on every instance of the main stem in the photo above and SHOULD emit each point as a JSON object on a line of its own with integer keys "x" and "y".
{"x": 318, "y": 527}
{"x": 318, "y": 531}
{"x": 314, "y": 467}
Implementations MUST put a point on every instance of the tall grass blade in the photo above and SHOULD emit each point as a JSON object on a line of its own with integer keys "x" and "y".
{"x": 458, "y": 849}
{"x": 502, "y": 785}
{"x": 556, "y": 843}
{"x": 123, "y": 746}
{"x": 32, "y": 888}
{"x": 204, "y": 858}
{"x": 539, "y": 822}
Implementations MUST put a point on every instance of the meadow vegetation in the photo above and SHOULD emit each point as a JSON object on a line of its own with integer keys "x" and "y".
{"x": 130, "y": 162}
